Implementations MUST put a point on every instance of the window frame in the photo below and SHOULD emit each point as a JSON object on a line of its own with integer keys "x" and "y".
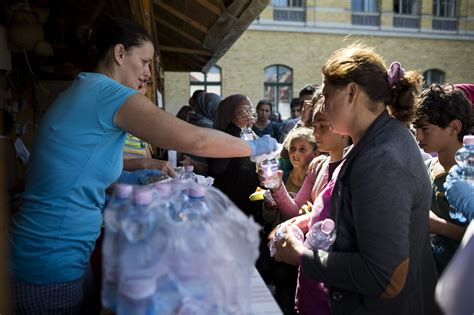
{"x": 402, "y": 5}
{"x": 437, "y": 4}
{"x": 277, "y": 85}
{"x": 205, "y": 84}
{"x": 428, "y": 74}
{"x": 291, "y": 12}
{"x": 365, "y": 4}
{"x": 364, "y": 16}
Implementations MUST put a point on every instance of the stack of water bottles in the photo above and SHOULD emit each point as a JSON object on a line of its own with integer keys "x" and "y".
{"x": 177, "y": 248}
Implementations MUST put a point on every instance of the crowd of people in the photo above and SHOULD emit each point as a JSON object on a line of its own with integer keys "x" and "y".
{"x": 369, "y": 147}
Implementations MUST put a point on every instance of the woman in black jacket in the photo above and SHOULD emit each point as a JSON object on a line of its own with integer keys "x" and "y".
{"x": 380, "y": 262}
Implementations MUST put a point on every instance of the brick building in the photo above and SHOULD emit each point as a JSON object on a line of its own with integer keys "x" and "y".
{"x": 287, "y": 45}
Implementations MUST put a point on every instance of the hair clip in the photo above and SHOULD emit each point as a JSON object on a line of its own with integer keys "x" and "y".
{"x": 395, "y": 73}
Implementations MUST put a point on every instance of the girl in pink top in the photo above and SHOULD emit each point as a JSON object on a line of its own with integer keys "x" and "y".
{"x": 311, "y": 296}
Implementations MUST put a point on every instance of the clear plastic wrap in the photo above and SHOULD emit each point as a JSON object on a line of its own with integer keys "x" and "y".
{"x": 189, "y": 250}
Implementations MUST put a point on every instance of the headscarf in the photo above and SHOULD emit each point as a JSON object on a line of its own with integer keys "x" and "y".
{"x": 206, "y": 104}
{"x": 226, "y": 110}
{"x": 467, "y": 89}
{"x": 205, "y": 110}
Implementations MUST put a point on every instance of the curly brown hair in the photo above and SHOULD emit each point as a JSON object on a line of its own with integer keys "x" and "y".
{"x": 441, "y": 104}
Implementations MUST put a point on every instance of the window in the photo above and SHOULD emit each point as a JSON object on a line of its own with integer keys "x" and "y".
{"x": 365, "y": 12}
{"x": 289, "y": 10}
{"x": 433, "y": 76}
{"x": 405, "y": 7}
{"x": 278, "y": 87}
{"x": 406, "y": 14}
{"x": 444, "y": 8}
{"x": 365, "y": 6}
{"x": 444, "y": 15}
{"x": 210, "y": 82}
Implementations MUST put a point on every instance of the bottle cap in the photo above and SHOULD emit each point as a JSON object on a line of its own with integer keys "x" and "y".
{"x": 469, "y": 139}
{"x": 142, "y": 197}
{"x": 189, "y": 168}
{"x": 123, "y": 191}
{"x": 327, "y": 226}
{"x": 163, "y": 188}
{"x": 196, "y": 192}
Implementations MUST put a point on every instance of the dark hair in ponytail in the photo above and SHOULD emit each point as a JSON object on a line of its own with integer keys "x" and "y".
{"x": 362, "y": 65}
{"x": 115, "y": 31}
{"x": 403, "y": 96}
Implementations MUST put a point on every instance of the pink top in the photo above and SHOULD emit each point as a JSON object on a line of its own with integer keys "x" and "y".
{"x": 311, "y": 296}
{"x": 313, "y": 184}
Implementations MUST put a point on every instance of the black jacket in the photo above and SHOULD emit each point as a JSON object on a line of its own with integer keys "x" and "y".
{"x": 381, "y": 261}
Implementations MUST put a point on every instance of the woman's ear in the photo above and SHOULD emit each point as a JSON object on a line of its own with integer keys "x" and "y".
{"x": 353, "y": 89}
{"x": 119, "y": 53}
{"x": 455, "y": 127}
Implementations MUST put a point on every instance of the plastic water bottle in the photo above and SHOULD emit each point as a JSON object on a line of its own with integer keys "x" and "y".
{"x": 188, "y": 176}
{"x": 166, "y": 204}
{"x": 139, "y": 256}
{"x": 465, "y": 159}
{"x": 195, "y": 206}
{"x": 321, "y": 235}
{"x": 270, "y": 172}
{"x": 280, "y": 235}
{"x": 110, "y": 246}
{"x": 246, "y": 133}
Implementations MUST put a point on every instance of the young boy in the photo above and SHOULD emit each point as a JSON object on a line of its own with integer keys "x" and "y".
{"x": 443, "y": 117}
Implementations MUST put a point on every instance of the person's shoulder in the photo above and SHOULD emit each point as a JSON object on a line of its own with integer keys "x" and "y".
{"x": 103, "y": 83}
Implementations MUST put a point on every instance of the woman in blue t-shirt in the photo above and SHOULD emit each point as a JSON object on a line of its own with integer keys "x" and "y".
{"x": 77, "y": 154}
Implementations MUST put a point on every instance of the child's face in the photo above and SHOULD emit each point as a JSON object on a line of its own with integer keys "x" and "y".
{"x": 301, "y": 152}
{"x": 432, "y": 138}
{"x": 326, "y": 140}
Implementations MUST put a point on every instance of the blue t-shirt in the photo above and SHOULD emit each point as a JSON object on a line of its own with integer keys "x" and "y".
{"x": 77, "y": 154}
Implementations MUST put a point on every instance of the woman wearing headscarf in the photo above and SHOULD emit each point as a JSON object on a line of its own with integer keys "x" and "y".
{"x": 236, "y": 177}
{"x": 205, "y": 109}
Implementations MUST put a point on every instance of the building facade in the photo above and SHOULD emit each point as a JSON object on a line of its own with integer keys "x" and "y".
{"x": 286, "y": 47}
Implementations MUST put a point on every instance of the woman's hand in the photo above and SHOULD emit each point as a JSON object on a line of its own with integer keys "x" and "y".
{"x": 245, "y": 120}
{"x": 262, "y": 179}
{"x": 301, "y": 221}
{"x": 307, "y": 112}
{"x": 163, "y": 166}
{"x": 187, "y": 161}
{"x": 263, "y": 145}
{"x": 289, "y": 249}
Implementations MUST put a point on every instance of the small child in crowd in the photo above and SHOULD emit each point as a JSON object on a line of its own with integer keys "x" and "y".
{"x": 301, "y": 146}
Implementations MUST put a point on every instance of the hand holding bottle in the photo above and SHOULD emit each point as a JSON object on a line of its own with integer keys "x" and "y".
{"x": 459, "y": 193}
{"x": 290, "y": 249}
{"x": 280, "y": 234}
{"x": 263, "y": 145}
